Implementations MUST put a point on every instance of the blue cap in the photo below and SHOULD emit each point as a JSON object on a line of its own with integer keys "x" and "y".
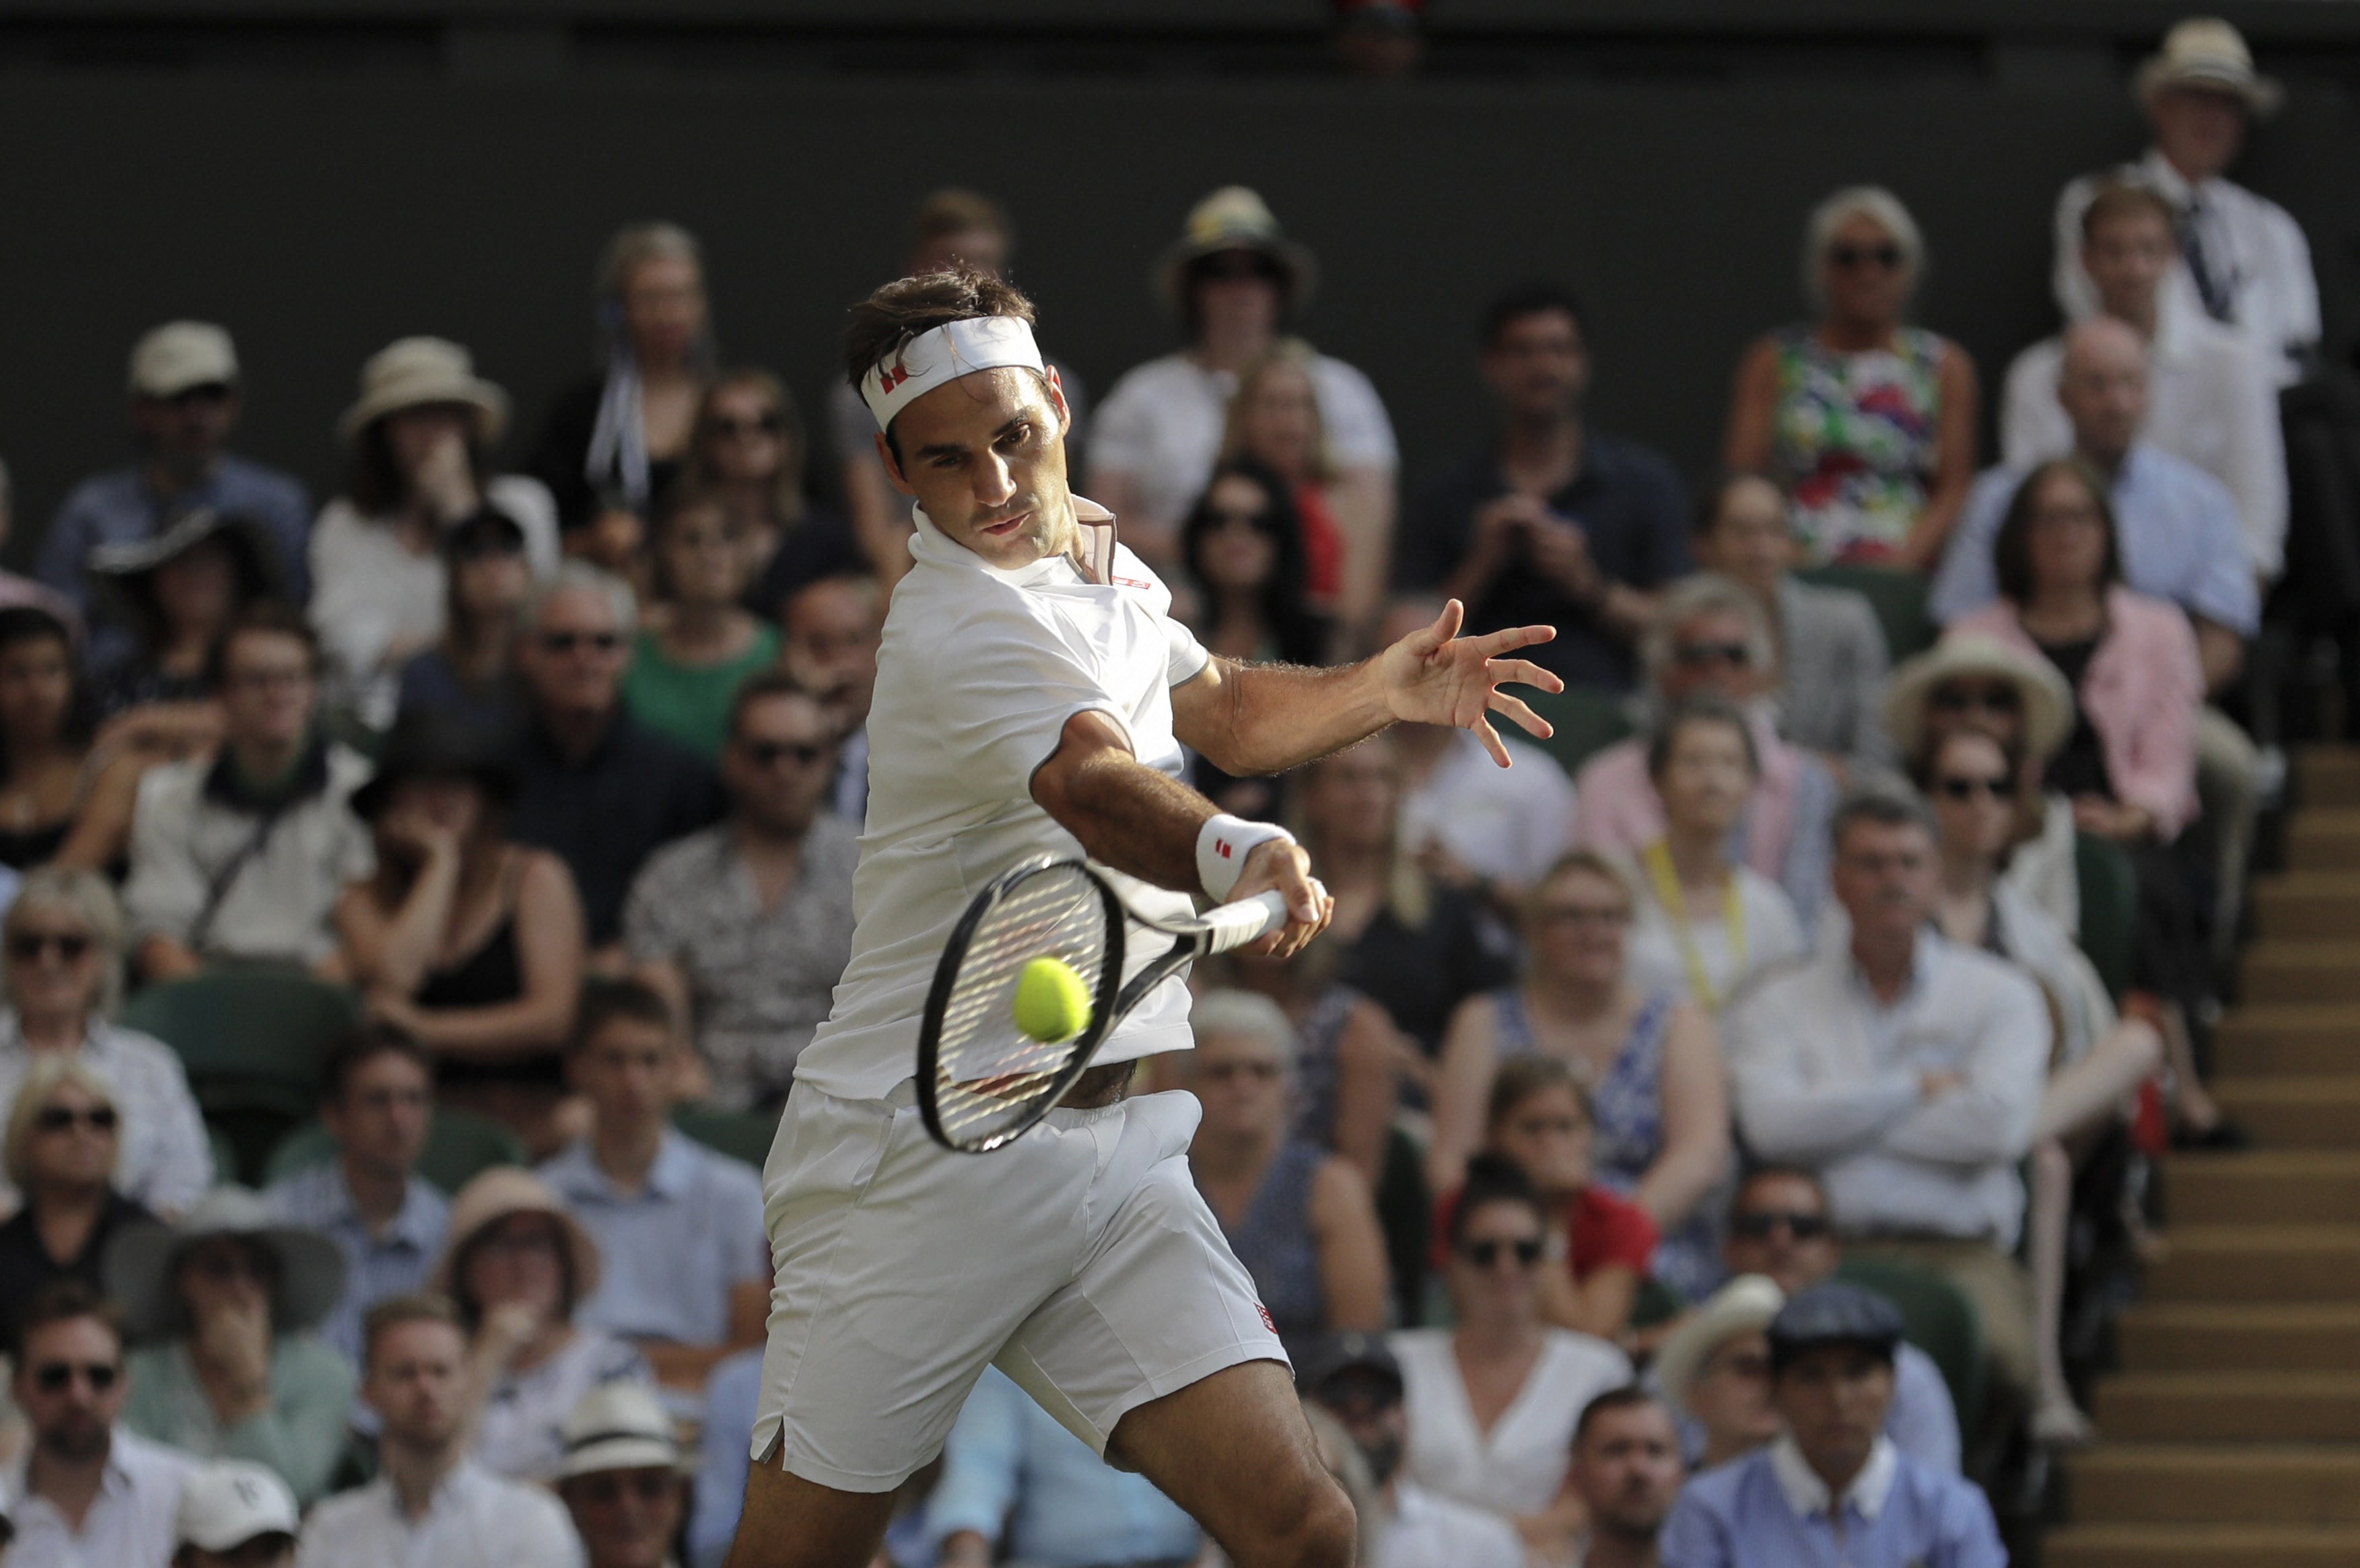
{"x": 1834, "y": 1314}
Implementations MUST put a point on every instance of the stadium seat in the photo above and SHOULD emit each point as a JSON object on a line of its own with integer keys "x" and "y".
{"x": 253, "y": 1042}
{"x": 1586, "y": 723}
{"x": 1938, "y": 1319}
{"x": 458, "y": 1145}
{"x": 741, "y": 1134}
{"x": 1898, "y": 597}
{"x": 2109, "y": 897}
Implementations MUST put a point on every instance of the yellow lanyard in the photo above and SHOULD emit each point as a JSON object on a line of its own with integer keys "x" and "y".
{"x": 1667, "y": 881}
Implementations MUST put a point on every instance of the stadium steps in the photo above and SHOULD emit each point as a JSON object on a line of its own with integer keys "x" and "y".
{"x": 2232, "y": 1434}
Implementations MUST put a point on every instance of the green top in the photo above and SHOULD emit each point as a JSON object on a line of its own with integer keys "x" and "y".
{"x": 691, "y": 704}
{"x": 301, "y": 1435}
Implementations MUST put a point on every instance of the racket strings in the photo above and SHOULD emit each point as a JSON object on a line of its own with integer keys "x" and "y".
{"x": 986, "y": 1069}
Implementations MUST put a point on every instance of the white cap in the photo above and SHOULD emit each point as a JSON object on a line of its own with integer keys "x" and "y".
{"x": 181, "y": 355}
{"x": 228, "y": 1502}
{"x": 618, "y": 1426}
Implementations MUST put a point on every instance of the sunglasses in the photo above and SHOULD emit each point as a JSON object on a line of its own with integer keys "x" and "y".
{"x": 27, "y": 947}
{"x": 566, "y": 642}
{"x": 768, "y": 425}
{"x": 1484, "y": 1254}
{"x": 1261, "y": 522}
{"x": 1847, "y": 256}
{"x": 57, "y": 1118}
{"x": 1964, "y": 699}
{"x": 1694, "y": 654}
{"x": 607, "y": 1488}
{"x": 56, "y": 1376}
{"x": 1236, "y": 264}
{"x": 1760, "y": 1225}
{"x": 767, "y": 753}
{"x": 1961, "y": 788}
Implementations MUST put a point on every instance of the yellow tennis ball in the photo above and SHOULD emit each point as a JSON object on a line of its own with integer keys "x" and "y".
{"x": 1051, "y": 1003}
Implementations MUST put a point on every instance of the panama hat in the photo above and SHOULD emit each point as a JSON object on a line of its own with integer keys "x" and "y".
{"x": 2207, "y": 53}
{"x": 2048, "y": 702}
{"x": 493, "y": 1196}
{"x": 1744, "y": 1305}
{"x": 141, "y": 1264}
{"x": 412, "y": 373}
{"x": 1233, "y": 218}
{"x": 620, "y": 1426}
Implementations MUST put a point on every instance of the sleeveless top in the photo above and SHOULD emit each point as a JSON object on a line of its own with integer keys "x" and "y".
{"x": 1273, "y": 1241}
{"x": 1852, "y": 439}
{"x": 491, "y": 975}
{"x": 1316, "y": 1039}
{"x": 1626, "y": 1109}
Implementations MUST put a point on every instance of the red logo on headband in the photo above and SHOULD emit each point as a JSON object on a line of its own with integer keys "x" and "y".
{"x": 888, "y": 379}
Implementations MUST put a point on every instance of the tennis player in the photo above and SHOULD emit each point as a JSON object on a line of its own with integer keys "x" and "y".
{"x": 1034, "y": 695}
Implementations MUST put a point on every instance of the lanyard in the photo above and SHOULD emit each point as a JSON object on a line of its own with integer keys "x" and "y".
{"x": 1666, "y": 882}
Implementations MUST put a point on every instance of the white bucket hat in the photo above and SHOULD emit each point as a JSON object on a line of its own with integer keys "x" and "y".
{"x": 411, "y": 372}
{"x": 620, "y": 1426}
{"x": 2207, "y": 53}
{"x": 1744, "y": 1305}
{"x": 179, "y": 356}
{"x": 140, "y": 1263}
{"x": 228, "y": 1502}
{"x": 2047, "y": 700}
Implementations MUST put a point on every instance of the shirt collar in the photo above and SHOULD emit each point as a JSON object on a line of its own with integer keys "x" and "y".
{"x": 2155, "y": 170}
{"x": 1094, "y": 522}
{"x": 227, "y": 785}
{"x": 1809, "y": 1496}
{"x": 1924, "y": 953}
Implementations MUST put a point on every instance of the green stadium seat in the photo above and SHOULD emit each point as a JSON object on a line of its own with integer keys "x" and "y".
{"x": 1938, "y": 1319}
{"x": 1898, "y": 597}
{"x": 458, "y": 1145}
{"x": 1586, "y": 723}
{"x": 253, "y": 1041}
{"x": 741, "y": 1134}
{"x": 2109, "y": 896}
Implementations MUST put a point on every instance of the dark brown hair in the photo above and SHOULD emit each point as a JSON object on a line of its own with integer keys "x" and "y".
{"x": 373, "y": 482}
{"x": 1703, "y": 708}
{"x": 2122, "y": 198}
{"x": 787, "y": 492}
{"x": 885, "y": 321}
{"x": 395, "y": 1311}
{"x": 2012, "y": 550}
{"x": 606, "y": 1002}
{"x": 63, "y": 1300}
{"x": 761, "y": 687}
{"x": 276, "y": 617}
{"x": 1520, "y": 1078}
{"x": 363, "y": 1046}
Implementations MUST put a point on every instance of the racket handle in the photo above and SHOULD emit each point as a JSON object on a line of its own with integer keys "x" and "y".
{"x": 1234, "y": 925}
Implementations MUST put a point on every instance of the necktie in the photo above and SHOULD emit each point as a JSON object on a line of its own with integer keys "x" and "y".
{"x": 2212, "y": 287}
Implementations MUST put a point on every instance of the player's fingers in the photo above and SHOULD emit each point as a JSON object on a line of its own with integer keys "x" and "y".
{"x": 1492, "y": 742}
{"x": 1499, "y": 642}
{"x": 1522, "y": 673}
{"x": 1511, "y": 708}
{"x": 1445, "y": 625}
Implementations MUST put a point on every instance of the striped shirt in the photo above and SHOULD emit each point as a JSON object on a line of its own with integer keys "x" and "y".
{"x": 377, "y": 1264}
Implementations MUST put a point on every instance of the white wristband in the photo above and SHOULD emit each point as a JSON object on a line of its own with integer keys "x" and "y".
{"x": 1223, "y": 845}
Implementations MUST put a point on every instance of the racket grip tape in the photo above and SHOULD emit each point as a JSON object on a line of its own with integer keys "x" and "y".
{"x": 1234, "y": 925}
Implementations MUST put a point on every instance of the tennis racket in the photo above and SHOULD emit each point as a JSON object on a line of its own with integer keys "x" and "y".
{"x": 981, "y": 1080}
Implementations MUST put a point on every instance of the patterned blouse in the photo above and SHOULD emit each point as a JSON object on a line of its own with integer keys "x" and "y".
{"x": 1853, "y": 439}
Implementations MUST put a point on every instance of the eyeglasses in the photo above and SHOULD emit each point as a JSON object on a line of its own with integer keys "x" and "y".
{"x": 1847, "y": 256}
{"x": 1964, "y": 699}
{"x": 57, "y": 1118}
{"x": 56, "y": 1376}
{"x": 1222, "y": 1071}
{"x": 1760, "y": 1225}
{"x": 768, "y": 753}
{"x": 1962, "y": 788}
{"x": 769, "y": 424}
{"x": 1484, "y": 1254}
{"x": 566, "y": 642}
{"x": 606, "y": 1488}
{"x": 27, "y": 947}
{"x": 1696, "y": 654}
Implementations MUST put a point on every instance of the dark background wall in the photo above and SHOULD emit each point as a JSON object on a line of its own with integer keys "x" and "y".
{"x": 323, "y": 182}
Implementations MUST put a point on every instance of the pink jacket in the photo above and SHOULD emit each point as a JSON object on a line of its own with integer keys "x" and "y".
{"x": 2142, "y": 692}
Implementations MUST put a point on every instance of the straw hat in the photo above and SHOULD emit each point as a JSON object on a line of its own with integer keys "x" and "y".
{"x": 2207, "y": 53}
{"x": 493, "y": 1196}
{"x": 1744, "y": 1305}
{"x": 2046, "y": 701}
{"x": 620, "y": 1426}
{"x": 141, "y": 1264}
{"x": 1233, "y": 218}
{"x": 412, "y": 373}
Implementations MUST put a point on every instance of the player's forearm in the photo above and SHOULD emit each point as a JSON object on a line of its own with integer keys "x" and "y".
{"x": 1278, "y": 716}
{"x": 1128, "y": 815}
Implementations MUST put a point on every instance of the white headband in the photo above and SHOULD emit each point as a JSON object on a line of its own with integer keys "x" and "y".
{"x": 945, "y": 353}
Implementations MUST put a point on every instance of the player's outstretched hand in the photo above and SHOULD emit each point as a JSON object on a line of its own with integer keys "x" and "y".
{"x": 1437, "y": 677}
{"x": 1275, "y": 863}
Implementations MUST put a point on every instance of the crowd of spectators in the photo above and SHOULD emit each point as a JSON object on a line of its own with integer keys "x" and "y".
{"x": 1644, "y": 1112}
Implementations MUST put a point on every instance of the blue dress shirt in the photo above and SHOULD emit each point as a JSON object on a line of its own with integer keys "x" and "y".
{"x": 376, "y": 1267}
{"x": 670, "y": 1251}
{"x": 1770, "y": 1510}
{"x": 2179, "y": 538}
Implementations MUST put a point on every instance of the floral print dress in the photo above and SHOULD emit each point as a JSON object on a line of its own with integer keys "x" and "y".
{"x": 1853, "y": 439}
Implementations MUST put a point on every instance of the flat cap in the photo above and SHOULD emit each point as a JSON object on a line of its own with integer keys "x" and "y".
{"x": 1834, "y": 1314}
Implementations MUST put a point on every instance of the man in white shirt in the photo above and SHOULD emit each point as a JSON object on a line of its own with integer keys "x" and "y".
{"x": 1234, "y": 279}
{"x": 1034, "y": 696}
{"x": 2244, "y": 260}
{"x": 431, "y": 1506}
{"x": 1905, "y": 1072}
{"x": 87, "y": 1493}
{"x": 2210, "y": 395}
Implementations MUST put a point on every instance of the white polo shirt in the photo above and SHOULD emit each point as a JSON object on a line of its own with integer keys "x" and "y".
{"x": 129, "y": 1522}
{"x": 475, "y": 1519}
{"x": 979, "y": 671}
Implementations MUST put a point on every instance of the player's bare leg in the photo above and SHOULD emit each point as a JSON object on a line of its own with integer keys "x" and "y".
{"x": 789, "y": 1522}
{"x": 1234, "y": 1450}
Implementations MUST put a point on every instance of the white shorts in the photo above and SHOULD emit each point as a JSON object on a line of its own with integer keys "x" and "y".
{"x": 1079, "y": 1258}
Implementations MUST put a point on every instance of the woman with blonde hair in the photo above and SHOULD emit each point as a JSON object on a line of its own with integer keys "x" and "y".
{"x": 1347, "y": 519}
{"x": 61, "y": 971}
{"x": 1866, "y": 422}
{"x": 64, "y": 1145}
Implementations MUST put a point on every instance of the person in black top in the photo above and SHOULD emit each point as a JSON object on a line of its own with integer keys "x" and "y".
{"x": 63, "y": 1138}
{"x": 1561, "y": 524}
{"x": 595, "y": 786}
{"x": 46, "y": 719}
